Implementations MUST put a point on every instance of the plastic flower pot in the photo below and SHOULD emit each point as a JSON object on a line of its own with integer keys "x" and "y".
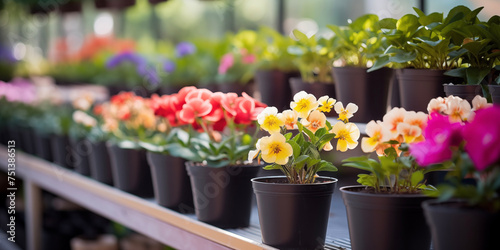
{"x": 236, "y": 87}
{"x": 222, "y": 196}
{"x": 454, "y": 225}
{"x": 81, "y": 149}
{"x": 42, "y": 146}
{"x": 171, "y": 183}
{"x": 385, "y": 221}
{"x": 274, "y": 87}
{"x": 130, "y": 169}
{"x": 61, "y": 151}
{"x": 368, "y": 90}
{"x": 418, "y": 86}
{"x": 100, "y": 164}
{"x": 27, "y": 139}
{"x": 495, "y": 93}
{"x": 293, "y": 216}
{"x": 466, "y": 92}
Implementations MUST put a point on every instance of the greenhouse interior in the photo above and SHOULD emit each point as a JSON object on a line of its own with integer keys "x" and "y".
{"x": 249, "y": 124}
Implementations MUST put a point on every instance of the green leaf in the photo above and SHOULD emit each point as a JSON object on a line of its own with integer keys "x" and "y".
{"x": 288, "y": 136}
{"x": 326, "y": 166}
{"x": 273, "y": 166}
{"x": 367, "y": 180}
{"x": 295, "y": 148}
{"x": 476, "y": 75}
{"x": 388, "y": 23}
{"x": 416, "y": 178}
{"x": 300, "y": 36}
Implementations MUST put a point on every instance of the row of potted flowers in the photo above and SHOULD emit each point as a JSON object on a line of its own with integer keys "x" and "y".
{"x": 217, "y": 133}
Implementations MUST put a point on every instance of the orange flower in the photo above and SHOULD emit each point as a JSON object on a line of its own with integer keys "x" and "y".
{"x": 315, "y": 121}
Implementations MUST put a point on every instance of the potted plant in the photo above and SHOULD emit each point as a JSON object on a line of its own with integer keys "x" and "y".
{"x": 470, "y": 195}
{"x": 171, "y": 182}
{"x": 421, "y": 46}
{"x": 390, "y": 195}
{"x": 481, "y": 42}
{"x": 313, "y": 59}
{"x": 293, "y": 209}
{"x": 275, "y": 67}
{"x": 128, "y": 118}
{"x": 220, "y": 137}
{"x": 355, "y": 48}
{"x": 494, "y": 88}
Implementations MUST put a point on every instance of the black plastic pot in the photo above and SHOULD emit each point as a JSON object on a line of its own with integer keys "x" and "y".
{"x": 71, "y": 6}
{"x": 368, "y": 90}
{"x": 222, "y": 196}
{"x": 42, "y": 146}
{"x": 274, "y": 87}
{"x": 115, "y": 4}
{"x": 130, "y": 170}
{"x": 171, "y": 182}
{"x": 27, "y": 140}
{"x": 61, "y": 151}
{"x": 418, "y": 86}
{"x": 100, "y": 164}
{"x": 317, "y": 89}
{"x": 81, "y": 149}
{"x": 466, "y": 92}
{"x": 495, "y": 93}
{"x": 385, "y": 221}
{"x": 456, "y": 226}
{"x": 293, "y": 216}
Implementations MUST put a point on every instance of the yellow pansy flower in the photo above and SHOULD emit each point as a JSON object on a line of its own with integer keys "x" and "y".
{"x": 348, "y": 112}
{"x": 270, "y": 120}
{"x": 275, "y": 149}
{"x": 347, "y": 135}
{"x": 304, "y": 103}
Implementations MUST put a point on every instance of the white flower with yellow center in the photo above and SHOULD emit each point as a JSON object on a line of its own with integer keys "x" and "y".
{"x": 348, "y": 112}
{"x": 270, "y": 120}
{"x": 304, "y": 103}
{"x": 326, "y": 103}
{"x": 378, "y": 133}
{"x": 290, "y": 118}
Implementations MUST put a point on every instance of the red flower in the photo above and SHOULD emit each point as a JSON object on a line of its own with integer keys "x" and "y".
{"x": 194, "y": 108}
{"x": 121, "y": 98}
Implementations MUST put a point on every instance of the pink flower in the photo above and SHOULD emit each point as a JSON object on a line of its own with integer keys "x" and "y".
{"x": 440, "y": 136}
{"x": 483, "y": 137}
{"x": 249, "y": 59}
{"x": 194, "y": 108}
{"x": 226, "y": 62}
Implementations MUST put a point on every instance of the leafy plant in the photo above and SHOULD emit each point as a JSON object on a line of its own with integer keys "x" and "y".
{"x": 273, "y": 52}
{"x": 422, "y": 41}
{"x": 358, "y": 43}
{"x": 313, "y": 57}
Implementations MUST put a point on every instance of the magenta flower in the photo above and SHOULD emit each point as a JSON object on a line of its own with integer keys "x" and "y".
{"x": 482, "y": 136}
{"x": 226, "y": 62}
{"x": 439, "y": 135}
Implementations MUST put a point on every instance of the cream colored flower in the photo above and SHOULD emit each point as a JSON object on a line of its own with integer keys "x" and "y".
{"x": 348, "y": 112}
{"x": 409, "y": 132}
{"x": 393, "y": 118}
{"x": 84, "y": 119}
{"x": 315, "y": 121}
{"x": 254, "y": 153}
{"x": 437, "y": 105}
{"x": 270, "y": 120}
{"x": 290, "y": 118}
{"x": 83, "y": 102}
{"x": 457, "y": 109}
{"x": 378, "y": 133}
{"x": 416, "y": 119}
{"x": 347, "y": 135}
{"x": 304, "y": 103}
{"x": 480, "y": 102}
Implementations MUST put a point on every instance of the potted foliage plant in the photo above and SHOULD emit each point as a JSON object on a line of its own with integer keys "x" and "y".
{"x": 355, "y": 48}
{"x": 422, "y": 48}
{"x": 470, "y": 196}
{"x": 294, "y": 209}
{"x": 221, "y": 133}
{"x": 129, "y": 118}
{"x": 275, "y": 67}
{"x": 390, "y": 195}
{"x": 481, "y": 42}
{"x": 313, "y": 58}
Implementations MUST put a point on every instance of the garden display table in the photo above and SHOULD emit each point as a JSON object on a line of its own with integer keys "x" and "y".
{"x": 141, "y": 215}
